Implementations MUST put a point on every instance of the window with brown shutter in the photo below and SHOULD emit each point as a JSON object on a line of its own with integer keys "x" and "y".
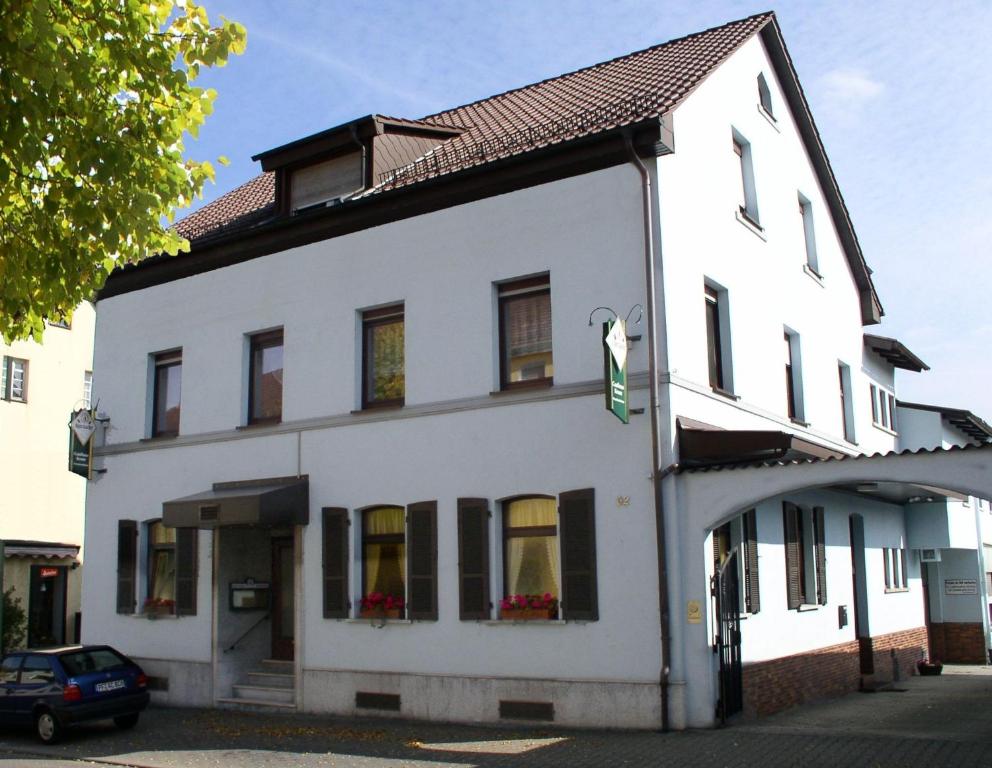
{"x": 805, "y": 555}
{"x": 821, "y": 556}
{"x": 749, "y": 541}
{"x": 335, "y": 562}
{"x": 127, "y": 550}
{"x": 186, "y": 567}
{"x": 422, "y": 560}
{"x": 793, "y": 550}
{"x": 577, "y": 524}
{"x": 473, "y": 559}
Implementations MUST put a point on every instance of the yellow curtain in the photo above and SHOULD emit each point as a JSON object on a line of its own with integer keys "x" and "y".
{"x": 528, "y": 513}
{"x": 532, "y": 562}
{"x": 384, "y": 520}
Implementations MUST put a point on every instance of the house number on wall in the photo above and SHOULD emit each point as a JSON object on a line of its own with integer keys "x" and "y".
{"x": 623, "y": 501}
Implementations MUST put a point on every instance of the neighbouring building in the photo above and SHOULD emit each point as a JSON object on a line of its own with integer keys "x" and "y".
{"x": 41, "y": 515}
{"x": 366, "y": 411}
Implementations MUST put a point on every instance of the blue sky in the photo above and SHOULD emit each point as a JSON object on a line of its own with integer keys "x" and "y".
{"x": 901, "y": 92}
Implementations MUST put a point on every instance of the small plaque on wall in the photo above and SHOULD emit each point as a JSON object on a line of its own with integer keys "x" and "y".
{"x": 960, "y": 586}
{"x": 249, "y": 595}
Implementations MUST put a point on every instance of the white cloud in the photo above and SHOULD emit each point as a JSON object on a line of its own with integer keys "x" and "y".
{"x": 853, "y": 87}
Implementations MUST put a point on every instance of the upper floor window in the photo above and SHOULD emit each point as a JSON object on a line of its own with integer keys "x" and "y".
{"x": 718, "y": 339}
{"x": 806, "y": 216}
{"x": 14, "y": 380}
{"x": 846, "y": 407}
{"x": 765, "y": 96}
{"x": 793, "y": 376}
{"x": 87, "y": 389}
{"x": 883, "y": 408}
{"x": 61, "y": 322}
{"x": 747, "y": 195}
{"x": 383, "y": 365}
{"x": 265, "y": 378}
{"x": 525, "y": 332}
{"x": 167, "y": 393}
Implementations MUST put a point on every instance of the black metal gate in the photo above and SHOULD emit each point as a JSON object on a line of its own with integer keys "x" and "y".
{"x": 725, "y": 589}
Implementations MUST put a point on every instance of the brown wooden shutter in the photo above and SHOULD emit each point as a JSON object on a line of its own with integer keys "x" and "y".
{"x": 186, "y": 557}
{"x": 577, "y": 534}
{"x": 421, "y": 560}
{"x": 751, "y": 582}
{"x": 127, "y": 552}
{"x": 473, "y": 559}
{"x": 821, "y": 556}
{"x": 792, "y": 576}
{"x": 335, "y": 562}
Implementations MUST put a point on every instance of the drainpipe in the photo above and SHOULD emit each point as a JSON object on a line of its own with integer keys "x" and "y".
{"x": 656, "y": 473}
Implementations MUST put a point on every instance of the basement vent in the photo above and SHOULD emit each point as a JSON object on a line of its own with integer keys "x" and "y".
{"x": 527, "y": 710}
{"x": 158, "y": 683}
{"x": 388, "y": 701}
{"x": 209, "y": 513}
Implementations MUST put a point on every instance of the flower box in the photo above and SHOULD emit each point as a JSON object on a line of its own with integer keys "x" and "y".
{"x": 528, "y": 614}
{"x": 381, "y": 613}
{"x": 155, "y": 607}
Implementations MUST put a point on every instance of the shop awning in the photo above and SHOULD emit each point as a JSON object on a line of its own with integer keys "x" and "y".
{"x": 702, "y": 445}
{"x": 47, "y": 549}
{"x": 269, "y": 502}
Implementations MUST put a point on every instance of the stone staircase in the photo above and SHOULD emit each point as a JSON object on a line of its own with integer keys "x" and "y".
{"x": 271, "y": 687}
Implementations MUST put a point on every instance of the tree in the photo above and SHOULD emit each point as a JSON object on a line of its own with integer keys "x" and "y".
{"x": 15, "y": 621}
{"x": 97, "y": 97}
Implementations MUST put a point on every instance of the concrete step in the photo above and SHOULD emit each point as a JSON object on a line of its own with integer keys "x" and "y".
{"x": 265, "y": 693}
{"x": 253, "y": 705}
{"x": 277, "y": 666}
{"x": 271, "y": 679}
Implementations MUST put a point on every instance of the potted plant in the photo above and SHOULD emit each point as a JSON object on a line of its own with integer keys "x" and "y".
{"x": 158, "y": 606}
{"x": 528, "y": 607}
{"x": 376, "y": 605}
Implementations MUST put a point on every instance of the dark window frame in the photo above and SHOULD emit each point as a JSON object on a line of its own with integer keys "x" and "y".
{"x": 163, "y": 361}
{"x": 714, "y": 340}
{"x": 257, "y": 343}
{"x": 539, "y": 285}
{"x": 394, "y": 314}
{"x": 792, "y": 405}
{"x": 522, "y": 532}
{"x": 765, "y": 96}
{"x": 151, "y": 550}
{"x": 383, "y": 538}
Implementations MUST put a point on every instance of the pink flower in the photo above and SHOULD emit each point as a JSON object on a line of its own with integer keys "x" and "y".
{"x": 505, "y": 604}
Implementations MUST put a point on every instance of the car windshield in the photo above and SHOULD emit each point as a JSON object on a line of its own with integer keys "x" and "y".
{"x": 96, "y": 660}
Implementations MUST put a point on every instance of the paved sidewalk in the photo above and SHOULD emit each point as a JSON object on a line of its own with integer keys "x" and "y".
{"x": 933, "y": 722}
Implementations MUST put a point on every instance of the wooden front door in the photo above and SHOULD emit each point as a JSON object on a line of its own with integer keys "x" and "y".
{"x": 283, "y": 602}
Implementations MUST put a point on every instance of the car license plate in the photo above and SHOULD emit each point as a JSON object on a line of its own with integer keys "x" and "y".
{"x": 110, "y": 685}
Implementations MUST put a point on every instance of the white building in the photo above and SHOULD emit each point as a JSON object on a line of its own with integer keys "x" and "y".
{"x": 380, "y": 370}
{"x": 41, "y": 513}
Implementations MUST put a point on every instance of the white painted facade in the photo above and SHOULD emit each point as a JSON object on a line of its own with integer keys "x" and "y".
{"x": 457, "y": 436}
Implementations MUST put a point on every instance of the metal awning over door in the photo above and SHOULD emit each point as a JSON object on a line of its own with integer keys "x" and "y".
{"x": 272, "y": 502}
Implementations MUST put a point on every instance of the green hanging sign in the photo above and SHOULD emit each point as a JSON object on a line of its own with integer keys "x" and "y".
{"x": 615, "y": 369}
{"x": 82, "y": 425}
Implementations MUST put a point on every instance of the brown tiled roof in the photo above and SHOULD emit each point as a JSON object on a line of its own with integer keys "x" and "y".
{"x": 623, "y": 91}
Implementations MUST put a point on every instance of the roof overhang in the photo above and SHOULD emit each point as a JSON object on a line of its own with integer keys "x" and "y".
{"x": 272, "y": 502}
{"x": 702, "y": 445}
{"x": 894, "y": 352}
{"x": 973, "y": 426}
{"x": 40, "y": 549}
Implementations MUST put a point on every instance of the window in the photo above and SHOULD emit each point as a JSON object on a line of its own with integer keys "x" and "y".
{"x": 161, "y": 567}
{"x": 384, "y": 553}
{"x": 806, "y": 216}
{"x": 765, "y": 96}
{"x": 87, "y": 389}
{"x": 14, "y": 380}
{"x": 62, "y": 322}
{"x": 37, "y": 670}
{"x": 166, "y": 398}
{"x": 383, "y": 371}
{"x": 741, "y": 534}
{"x": 883, "y": 408}
{"x": 793, "y": 377}
{"x": 805, "y": 555}
{"x": 895, "y": 569}
{"x": 265, "y": 378}
{"x": 718, "y": 339}
{"x": 747, "y": 197}
{"x": 525, "y": 333}
{"x": 530, "y": 548}
{"x": 846, "y": 407}
{"x": 9, "y": 669}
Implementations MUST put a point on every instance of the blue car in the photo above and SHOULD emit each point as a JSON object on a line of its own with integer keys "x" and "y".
{"x": 58, "y": 687}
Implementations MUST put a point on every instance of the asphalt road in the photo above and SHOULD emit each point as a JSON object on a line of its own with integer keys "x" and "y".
{"x": 927, "y": 722}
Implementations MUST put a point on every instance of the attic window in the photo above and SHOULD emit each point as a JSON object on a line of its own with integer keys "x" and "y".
{"x": 765, "y": 96}
{"x": 324, "y": 182}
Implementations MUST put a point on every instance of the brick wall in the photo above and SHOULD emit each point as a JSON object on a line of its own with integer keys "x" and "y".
{"x": 777, "y": 684}
{"x": 958, "y": 643}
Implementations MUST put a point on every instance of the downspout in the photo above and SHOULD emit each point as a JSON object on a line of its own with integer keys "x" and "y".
{"x": 656, "y": 473}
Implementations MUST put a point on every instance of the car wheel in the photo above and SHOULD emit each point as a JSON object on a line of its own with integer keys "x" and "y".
{"x": 47, "y": 726}
{"x": 126, "y": 721}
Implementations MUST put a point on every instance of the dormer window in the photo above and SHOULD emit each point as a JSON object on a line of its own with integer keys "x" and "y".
{"x": 325, "y": 182}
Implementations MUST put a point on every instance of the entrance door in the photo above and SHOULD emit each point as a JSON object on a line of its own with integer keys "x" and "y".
{"x": 46, "y": 607}
{"x": 726, "y": 593}
{"x": 283, "y": 603}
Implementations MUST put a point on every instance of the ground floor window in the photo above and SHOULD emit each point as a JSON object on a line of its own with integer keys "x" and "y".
{"x": 895, "y": 568}
{"x": 530, "y": 555}
{"x": 384, "y": 556}
{"x": 161, "y": 568}
{"x": 805, "y": 555}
